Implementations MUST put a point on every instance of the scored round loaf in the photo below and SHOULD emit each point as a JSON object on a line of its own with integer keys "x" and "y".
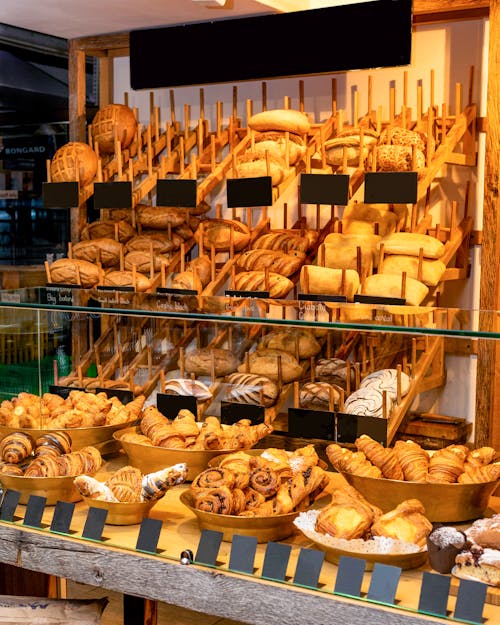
{"x": 160, "y": 217}
{"x": 285, "y": 120}
{"x": 74, "y": 162}
{"x": 74, "y": 271}
{"x": 249, "y": 388}
{"x": 120, "y": 230}
{"x": 110, "y": 121}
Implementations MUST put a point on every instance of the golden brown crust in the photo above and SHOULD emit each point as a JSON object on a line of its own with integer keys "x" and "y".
{"x": 74, "y": 271}
{"x": 280, "y": 119}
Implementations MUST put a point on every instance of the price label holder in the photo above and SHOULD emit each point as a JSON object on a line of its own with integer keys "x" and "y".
{"x": 230, "y": 412}
{"x": 64, "y": 391}
{"x": 9, "y": 504}
{"x": 58, "y": 295}
{"x": 243, "y": 192}
{"x": 63, "y": 514}
{"x": 34, "y": 511}
{"x": 384, "y": 583}
{"x": 94, "y": 524}
{"x": 346, "y": 428}
{"x": 165, "y": 290}
{"x": 391, "y": 187}
{"x": 60, "y": 194}
{"x": 276, "y": 561}
{"x": 208, "y": 547}
{"x": 311, "y": 423}
{"x": 171, "y": 405}
{"x": 113, "y": 194}
{"x": 318, "y": 297}
{"x": 124, "y": 395}
{"x": 349, "y": 576}
{"x": 372, "y": 426}
{"x": 181, "y": 193}
{"x": 308, "y": 569}
{"x": 469, "y": 603}
{"x": 324, "y": 189}
{"x": 149, "y": 535}
{"x": 434, "y": 592}
{"x": 374, "y": 299}
{"x": 105, "y": 288}
{"x": 256, "y": 294}
{"x": 242, "y": 556}
{"x": 60, "y": 286}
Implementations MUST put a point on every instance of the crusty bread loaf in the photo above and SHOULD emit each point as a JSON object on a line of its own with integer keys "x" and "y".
{"x": 159, "y": 242}
{"x": 106, "y": 251}
{"x": 284, "y": 241}
{"x": 326, "y": 281}
{"x": 265, "y": 362}
{"x": 188, "y": 280}
{"x": 160, "y": 217}
{"x": 202, "y": 266}
{"x": 405, "y": 136}
{"x": 390, "y": 285}
{"x": 344, "y": 255}
{"x": 217, "y": 232}
{"x": 202, "y": 360}
{"x": 187, "y": 386}
{"x": 74, "y": 271}
{"x": 318, "y": 394}
{"x": 254, "y": 164}
{"x": 74, "y": 162}
{"x": 432, "y": 270}
{"x": 289, "y": 120}
{"x": 114, "y": 121}
{"x": 359, "y": 218}
{"x": 126, "y": 278}
{"x": 118, "y": 230}
{"x": 277, "y": 285}
{"x": 278, "y": 143}
{"x": 349, "y": 141}
{"x": 249, "y": 388}
{"x": 276, "y": 261}
{"x": 143, "y": 261}
{"x": 411, "y": 242}
{"x": 300, "y": 342}
{"x": 348, "y": 243}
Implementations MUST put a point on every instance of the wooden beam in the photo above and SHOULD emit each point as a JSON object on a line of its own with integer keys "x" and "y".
{"x": 425, "y": 11}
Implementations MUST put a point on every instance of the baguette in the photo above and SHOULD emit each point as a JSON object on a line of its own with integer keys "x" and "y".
{"x": 160, "y": 217}
{"x": 277, "y": 285}
{"x": 126, "y": 278}
{"x": 265, "y": 362}
{"x": 276, "y": 261}
{"x": 390, "y": 285}
{"x": 410, "y": 243}
{"x": 432, "y": 270}
{"x": 74, "y": 271}
{"x": 326, "y": 281}
{"x": 217, "y": 232}
{"x": 104, "y": 250}
{"x": 280, "y": 119}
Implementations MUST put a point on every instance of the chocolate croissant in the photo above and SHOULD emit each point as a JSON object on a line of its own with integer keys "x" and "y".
{"x": 16, "y": 447}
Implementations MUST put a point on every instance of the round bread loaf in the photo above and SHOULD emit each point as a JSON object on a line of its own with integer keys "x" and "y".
{"x": 277, "y": 144}
{"x": 114, "y": 121}
{"x": 265, "y": 362}
{"x": 334, "y": 371}
{"x": 126, "y": 278}
{"x": 249, "y": 388}
{"x": 106, "y": 251}
{"x": 398, "y": 158}
{"x": 254, "y": 164}
{"x": 202, "y": 360}
{"x": 74, "y": 271}
{"x": 318, "y": 394}
{"x": 280, "y": 119}
{"x": 188, "y": 387}
{"x": 296, "y": 341}
{"x": 368, "y": 402}
{"x": 74, "y": 162}
{"x": 387, "y": 380}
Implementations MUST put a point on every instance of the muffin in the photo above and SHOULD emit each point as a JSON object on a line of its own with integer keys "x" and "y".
{"x": 444, "y": 543}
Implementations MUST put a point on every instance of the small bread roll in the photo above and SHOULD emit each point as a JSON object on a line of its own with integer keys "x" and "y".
{"x": 390, "y": 285}
{"x": 410, "y": 243}
{"x": 432, "y": 270}
{"x": 326, "y": 281}
{"x": 280, "y": 119}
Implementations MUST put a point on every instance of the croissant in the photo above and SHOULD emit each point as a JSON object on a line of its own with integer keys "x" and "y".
{"x": 7, "y": 468}
{"x": 90, "y": 487}
{"x": 57, "y": 443}
{"x": 346, "y": 461}
{"x": 382, "y": 457}
{"x": 45, "y": 466}
{"x": 481, "y": 456}
{"x": 414, "y": 460}
{"x": 480, "y": 473}
{"x": 446, "y": 464}
{"x": 155, "y": 485}
{"x": 126, "y": 484}
{"x": 16, "y": 447}
{"x": 406, "y": 522}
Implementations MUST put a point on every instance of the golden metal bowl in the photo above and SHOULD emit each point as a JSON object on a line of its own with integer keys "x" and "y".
{"x": 54, "y": 489}
{"x": 121, "y": 513}
{"x": 264, "y": 528}
{"x": 443, "y": 503}
{"x": 149, "y": 458}
{"x": 80, "y": 437}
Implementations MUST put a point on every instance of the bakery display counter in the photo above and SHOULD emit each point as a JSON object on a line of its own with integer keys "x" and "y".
{"x": 114, "y": 563}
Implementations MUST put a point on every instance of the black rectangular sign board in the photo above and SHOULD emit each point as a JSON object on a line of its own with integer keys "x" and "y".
{"x": 60, "y": 194}
{"x": 256, "y": 294}
{"x": 230, "y": 412}
{"x": 391, "y": 187}
{"x": 170, "y": 405}
{"x": 377, "y": 299}
{"x": 311, "y": 423}
{"x": 113, "y": 194}
{"x": 176, "y": 192}
{"x": 324, "y": 189}
{"x": 243, "y": 192}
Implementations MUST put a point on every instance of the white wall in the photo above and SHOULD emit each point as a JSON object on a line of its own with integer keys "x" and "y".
{"x": 448, "y": 51}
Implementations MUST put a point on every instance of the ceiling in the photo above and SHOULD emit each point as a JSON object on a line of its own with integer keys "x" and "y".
{"x": 72, "y": 19}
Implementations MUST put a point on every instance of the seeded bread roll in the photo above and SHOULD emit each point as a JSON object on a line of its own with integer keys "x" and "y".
{"x": 266, "y": 361}
{"x": 280, "y": 119}
{"x": 397, "y": 158}
{"x": 200, "y": 361}
{"x": 249, "y": 388}
{"x": 74, "y": 271}
{"x": 104, "y": 250}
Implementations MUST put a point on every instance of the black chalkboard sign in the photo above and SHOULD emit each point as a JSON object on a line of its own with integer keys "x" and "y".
{"x": 243, "y": 192}
{"x": 176, "y": 192}
{"x": 60, "y": 194}
{"x": 113, "y": 194}
{"x": 391, "y": 187}
{"x": 324, "y": 189}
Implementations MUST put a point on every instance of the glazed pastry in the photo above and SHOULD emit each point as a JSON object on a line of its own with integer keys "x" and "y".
{"x": 213, "y": 477}
{"x": 382, "y": 457}
{"x": 126, "y": 484}
{"x": 368, "y": 402}
{"x": 93, "y": 489}
{"x": 239, "y": 464}
{"x": 318, "y": 394}
{"x": 250, "y": 388}
{"x": 406, "y": 522}
{"x": 265, "y": 481}
{"x": 218, "y": 500}
{"x": 16, "y": 447}
{"x": 346, "y": 461}
{"x": 346, "y": 516}
{"x": 387, "y": 380}
{"x": 155, "y": 485}
{"x": 414, "y": 460}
